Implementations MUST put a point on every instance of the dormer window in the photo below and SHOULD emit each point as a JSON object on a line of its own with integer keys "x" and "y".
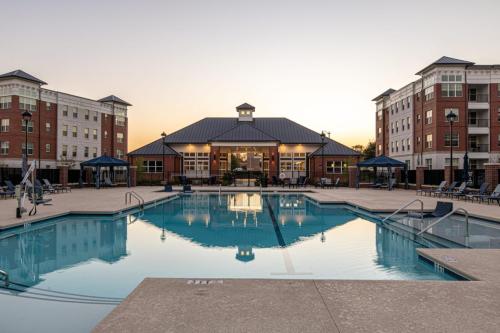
{"x": 245, "y": 112}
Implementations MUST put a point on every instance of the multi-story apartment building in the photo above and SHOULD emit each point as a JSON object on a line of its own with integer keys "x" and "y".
{"x": 64, "y": 129}
{"x": 411, "y": 123}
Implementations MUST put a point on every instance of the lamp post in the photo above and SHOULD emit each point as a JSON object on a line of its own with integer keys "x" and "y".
{"x": 322, "y": 154}
{"x": 451, "y": 117}
{"x": 26, "y": 117}
{"x": 163, "y": 135}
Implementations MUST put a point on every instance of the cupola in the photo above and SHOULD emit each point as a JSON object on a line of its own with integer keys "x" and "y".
{"x": 245, "y": 112}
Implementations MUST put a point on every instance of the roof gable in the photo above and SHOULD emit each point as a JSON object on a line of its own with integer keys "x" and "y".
{"x": 245, "y": 106}
{"x": 244, "y": 132}
{"x": 384, "y": 94}
{"x": 154, "y": 148}
{"x": 114, "y": 99}
{"x": 333, "y": 148}
{"x": 22, "y": 75}
{"x": 445, "y": 61}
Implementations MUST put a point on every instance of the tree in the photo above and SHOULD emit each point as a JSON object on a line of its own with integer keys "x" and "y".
{"x": 369, "y": 151}
{"x": 358, "y": 148}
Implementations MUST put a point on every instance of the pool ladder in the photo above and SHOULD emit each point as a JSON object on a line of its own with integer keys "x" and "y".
{"x": 405, "y": 206}
{"x": 466, "y": 214}
{"x": 5, "y": 277}
{"x": 131, "y": 194}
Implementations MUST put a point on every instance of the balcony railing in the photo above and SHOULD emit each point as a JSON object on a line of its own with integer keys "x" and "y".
{"x": 479, "y": 148}
{"x": 474, "y": 122}
{"x": 479, "y": 98}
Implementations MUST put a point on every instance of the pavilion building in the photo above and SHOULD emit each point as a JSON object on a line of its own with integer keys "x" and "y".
{"x": 214, "y": 146}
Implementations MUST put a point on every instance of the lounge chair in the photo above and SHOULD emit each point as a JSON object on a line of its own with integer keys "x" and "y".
{"x": 10, "y": 186}
{"x": 495, "y": 196}
{"x": 44, "y": 188}
{"x": 461, "y": 191}
{"x": 481, "y": 194}
{"x": 442, "y": 208}
{"x": 187, "y": 189}
{"x": 38, "y": 199}
{"x": 391, "y": 185}
{"x": 441, "y": 188}
{"x": 6, "y": 193}
{"x": 56, "y": 187}
{"x": 327, "y": 183}
{"x": 450, "y": 190}
{"x": 108, "y": 182}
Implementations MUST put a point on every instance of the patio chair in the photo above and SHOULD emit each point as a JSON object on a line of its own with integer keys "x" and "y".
{"x": 441, "y": 188}
{"x": 442, "y": 208}
{"x": 56, "y": 187}
{"x": 495, "y": 196}
{"x": 38, "y": 195}
{"x": 327, "y": 183}
{"x": 293, "y": 182}
{"x": 480, "y": 195}
{"x": 448, "y": 191}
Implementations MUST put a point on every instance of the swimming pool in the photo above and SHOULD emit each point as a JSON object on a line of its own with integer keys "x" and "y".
{"x": 241, "y": 235}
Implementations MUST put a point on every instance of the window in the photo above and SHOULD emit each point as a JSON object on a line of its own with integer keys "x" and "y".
{"x": 119, "y": 121}
{"x": 447, "y": 161}
{"x": 75, "y": 131}
{"x": 153, "y": 166}
{"x": 379, "y": 115}
{"x": 397, "y": 146}
{"x": 47, "y": 148}
{"x": 94, "y": 153}
{"x": 6, "y": 102}
{"x": 379, "y": 131}
{"x": 94, "y": 134}
{"x": 408, "y": 99}
{"x": 428, "y": 163}
{"x": 392, "y": 147}
{"x": 75, "y": 113}
{"x": 87, "y": 115}
{"x": 202, "y": 165}
{"x": 428, "y": 141}
{"x": 402, "y": 145}
{"x": 30, "y": 126}
{"x": 30, "y": 148}
{"x": 85, "y": 151}
{"x": 403, "y": 121}
{"x": 454, "y": 139}
{"x": 392, "y": 127}
{"x": 451, "y": 85}
{"x": 4, "y": 125}
{"x": 498, "y": 113}
{"x": 448, "y": 111}
{"x": 65, "y": 111}
{"x": 285, "y": 166}
{"x": 28, "y": 104}
{"x": 428, "y": 117}
{"x": 418, "y": 140}
{"x": 119, "y": 137}
{"x": 64, "y": 152}
{"x": 333, "y": 167}
{"x": 408, "y": 144}
{"x": 4, "y": 148}
{"x": 418, "y": 118}
{"x": 119, "y": 153}
{"x": 86, "y": 133}
{"x": 402, "y": 105}
{"x": 379, "y": 149}
{"x": 429, "y": 93}
{"x": 408, "y": 122}
{"x": 189, "y": 165}
{"x": 397, "y": 126}
{"x": 47, "y": 127}
{"x": 74, "y": 151}
{"x": 95, "y": 115}
{"x": 48, "y": 106}
{"x": 65, "y": 130}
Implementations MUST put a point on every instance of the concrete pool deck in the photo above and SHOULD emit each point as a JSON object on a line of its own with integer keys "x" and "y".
{"x": 164, "y": 305}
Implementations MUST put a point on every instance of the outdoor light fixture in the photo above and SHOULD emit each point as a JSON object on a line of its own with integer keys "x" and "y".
{"x": 451, "y": 117}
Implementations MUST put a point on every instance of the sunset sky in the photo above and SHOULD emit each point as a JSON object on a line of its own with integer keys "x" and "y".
{"x": 318, "y": 63}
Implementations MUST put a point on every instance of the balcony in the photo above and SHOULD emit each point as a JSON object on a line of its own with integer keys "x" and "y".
{"x": 479, "y": 148}
{"x": 475, "y": 122}
{"x": 478, "y": 97}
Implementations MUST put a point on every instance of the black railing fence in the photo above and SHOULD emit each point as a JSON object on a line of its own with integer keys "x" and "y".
{"x": 433, "y": 177}
{"x": 412, "y": 177}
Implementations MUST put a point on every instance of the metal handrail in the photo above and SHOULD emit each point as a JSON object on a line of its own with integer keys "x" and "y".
{"x": 409, "y": 203}
{"x": 130, "y": 194}
{"x": 446, "y": 216}
{"x": 5, "y": 276}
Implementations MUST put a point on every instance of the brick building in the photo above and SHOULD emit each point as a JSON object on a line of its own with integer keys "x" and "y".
{"x": 411, "y": 124}
{"x": 213, "y": 147}
{"x": 64, "y": 129}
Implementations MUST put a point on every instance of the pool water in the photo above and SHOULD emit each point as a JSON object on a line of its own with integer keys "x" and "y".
{"x": 240, "y": 235}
